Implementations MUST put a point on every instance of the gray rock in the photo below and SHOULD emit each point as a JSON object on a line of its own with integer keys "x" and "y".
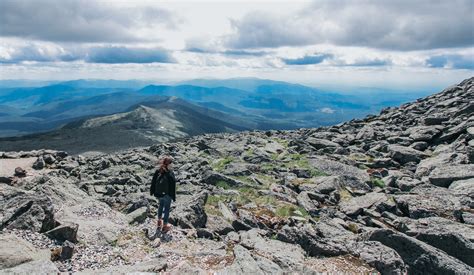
{"x": 287, "y": 256}
{"x": 350, "y": 176}
{"x": 33, "y": 267}
{"x": 420, "y": 257}
{"x": 433, "y": 120}
{"x": 190, "y": 213}
{"x": 423, "y": 133}
{"x": 27, "y": 211}
{"x": 67, "y": 250}
{"x": 211, "y": 177}
{"x": 137, "y": 216}
{"x": 403, "y": 154}
{"x": 49, "y": 159}
{"x": 20, "y": 172}
{"x": 427, "y": 200}
{"x": 218, "y": 224}
{"x": 419, "y": 145}
{"x": 381, "y": 257}
{"x": 154, "y": 266}
{"x": 456, "y": 239}
{"x": 64, "y": 232}
{"x": 357, "y": 205}
{"x": 444, "y": 175}
{"x": 15, "y": 251}
{"x": 318, "y": 143}
{"x": 407, "y": 183}
{"x": 39, "y": 163}
{"x": 463, "y": 186}
{"x": 323, "y": 239}
{"x": 226, "y": 212}
{"x": 244, "y": 263}
{"x": 307, "y": 203}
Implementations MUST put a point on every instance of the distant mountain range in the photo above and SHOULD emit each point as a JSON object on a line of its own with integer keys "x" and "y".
{"x": 243, "y": 103}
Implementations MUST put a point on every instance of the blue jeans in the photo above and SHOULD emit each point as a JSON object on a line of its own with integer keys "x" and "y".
{"x": 165, "y": 203}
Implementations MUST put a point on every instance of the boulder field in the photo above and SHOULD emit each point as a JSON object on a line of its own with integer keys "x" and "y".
{"x": 391, "y": 193}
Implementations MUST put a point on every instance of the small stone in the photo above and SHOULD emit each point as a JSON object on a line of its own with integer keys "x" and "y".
{"x": 20, "y": 172}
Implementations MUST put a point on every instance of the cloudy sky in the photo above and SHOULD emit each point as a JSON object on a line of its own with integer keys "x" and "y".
{"x": 401, "y": 43}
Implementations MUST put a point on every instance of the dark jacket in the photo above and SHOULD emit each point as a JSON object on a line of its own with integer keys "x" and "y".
{"x": 163, "y": 184}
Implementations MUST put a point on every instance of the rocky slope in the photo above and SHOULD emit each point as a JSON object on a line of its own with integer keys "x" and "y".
{"x": 391, "y": 193}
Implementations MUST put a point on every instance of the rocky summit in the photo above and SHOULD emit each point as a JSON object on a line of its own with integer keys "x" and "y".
{"x": 392, "y": 193}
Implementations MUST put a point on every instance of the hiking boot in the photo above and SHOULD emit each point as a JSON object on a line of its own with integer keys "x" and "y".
{"x": 166, "y": 228}
{"x": 159, "y": 223}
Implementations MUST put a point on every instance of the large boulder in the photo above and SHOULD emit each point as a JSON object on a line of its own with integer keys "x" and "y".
{"x": 64, "y": 232}
{"x": 444, "y": 175}
{"x": 423, "y": 133}
{"x": 15, "y": 251}
{"x": 27, "y": 211}
{"x": 304, "y": 200}
{"x": 319, "y": 143}
{"x": 381, "y": 257}
{"x": 190, "y": 213}
{"x": 34, "y": 267}
{"x": 325, "y": 238}
{"x": 351, "y": 176}
{"x": 287, "y": 256}
{"x": 247, "y": 263}
{"x": 403, "y": 154}
{"x": 357, "y": 205}
{"x": 420, "y": 257}
{"x": 427, "y": 200}
{"x": 456, "y": 239}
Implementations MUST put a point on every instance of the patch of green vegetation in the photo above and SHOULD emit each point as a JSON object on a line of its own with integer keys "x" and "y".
{"x": 295, "y": 156}
{"x": 274, "y": 237}
{"x": 220, "y": 164}
{"x": 285, "y": 210}
{"x": 245, "y": 179}
{"x": 282, "y": 142}
{"x": 317, "y": 173}
{"x": 265, "y": 178}
{"x": 361, "y": 157}
{"x": 222, "y": 184}
{"x": 345, "y": 194}
{"x": 212, "y": 204}
{"x": 377, "y": 182}
{"x": 267, "y": 167}
{"x": 303, "y": 212}
{"x": 249, "y": 152}
{"x": 274, "y": 156}
{"x": 353, "y": 228}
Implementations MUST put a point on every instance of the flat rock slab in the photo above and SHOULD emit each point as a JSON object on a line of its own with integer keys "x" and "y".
{"x": 429, "y": 201}
{"x": 444, "y": 175}
{"x": 352, "y": 176}
{"x": 356, "y": 205}
{"x": 33, "y": 267}
{"x": 456, "y": 239}
{"x": 15, "y": 251}
{"x": 419, "y": 256}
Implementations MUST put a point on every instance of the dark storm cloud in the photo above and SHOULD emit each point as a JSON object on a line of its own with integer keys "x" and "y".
{"x": 396, "y": 25}
{"x": 308, "y": 59}
{"x": 113, "y": 55}
{"x": 77, "y": 21}
{"x": 454, "y": 61}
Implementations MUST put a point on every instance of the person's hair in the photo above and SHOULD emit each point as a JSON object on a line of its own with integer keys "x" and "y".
{"x": 164, "y": 163}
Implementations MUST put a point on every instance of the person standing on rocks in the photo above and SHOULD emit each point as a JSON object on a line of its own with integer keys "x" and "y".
{"x": 163, "y": 186}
